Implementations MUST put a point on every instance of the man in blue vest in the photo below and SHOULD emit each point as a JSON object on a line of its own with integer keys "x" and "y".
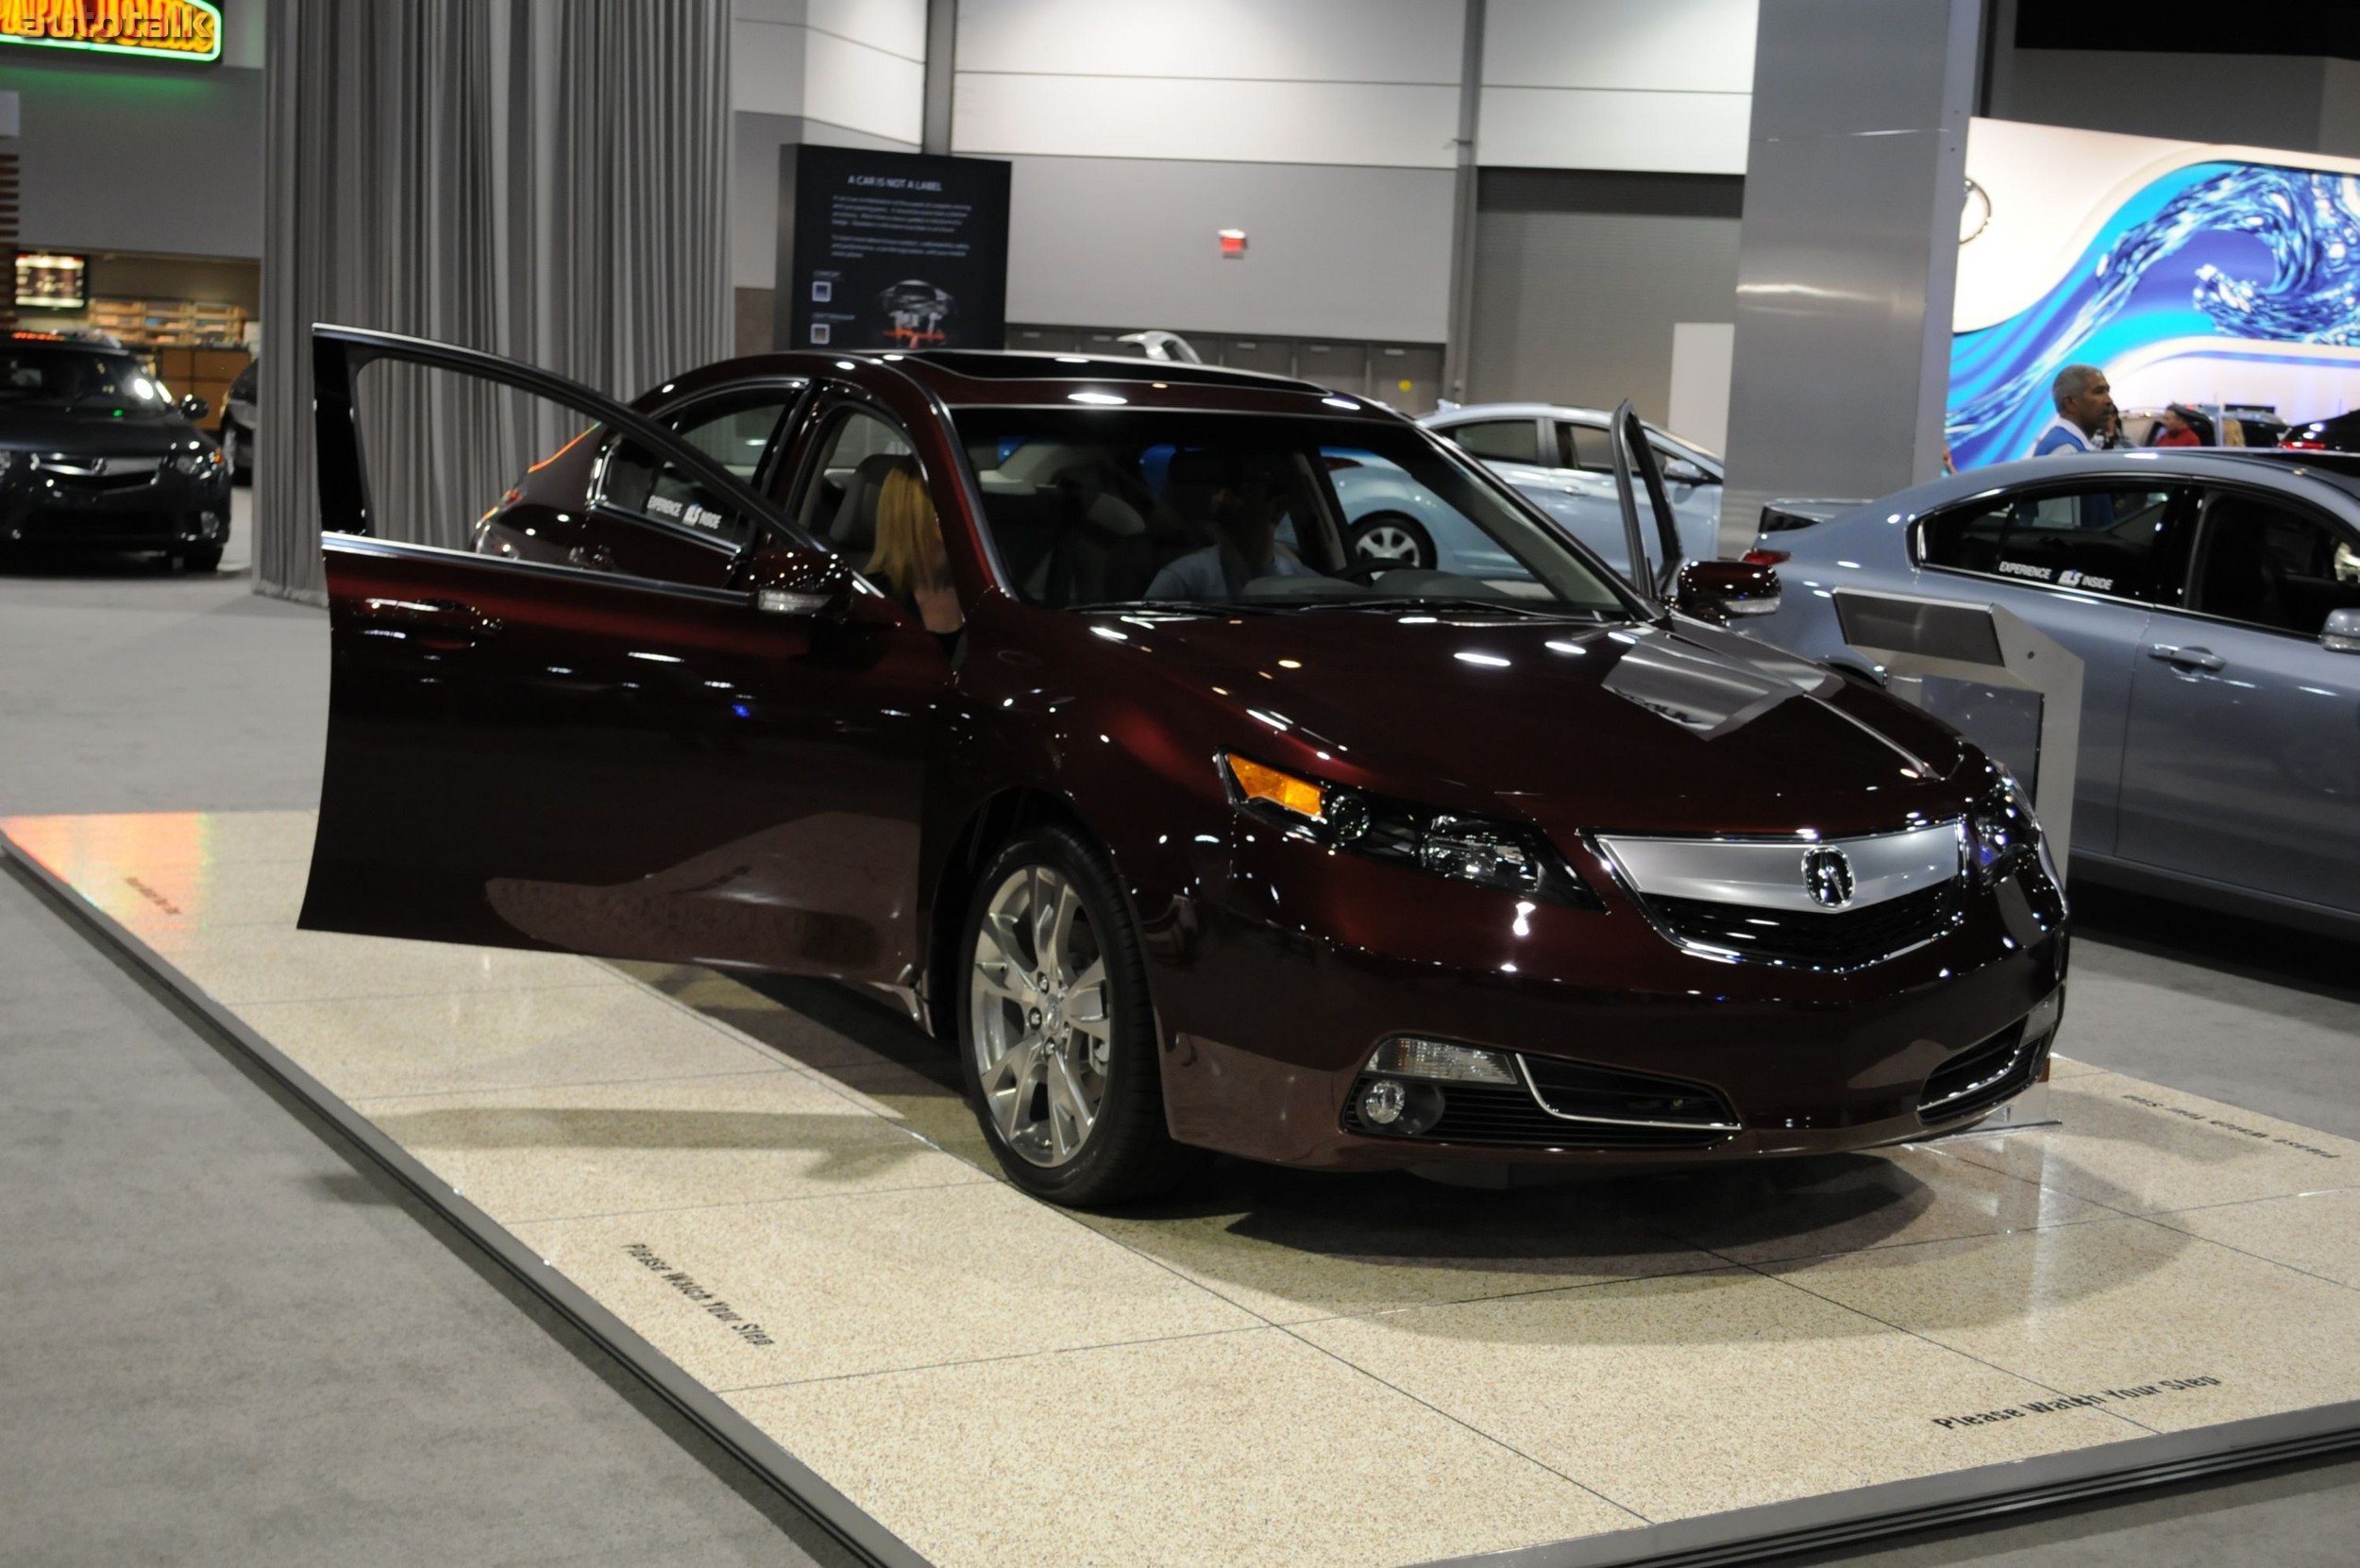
{"x": 2085, "y": 412}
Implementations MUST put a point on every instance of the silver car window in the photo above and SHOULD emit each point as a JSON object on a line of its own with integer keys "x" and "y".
{"x": 2096, "y": 539}
{"x": 2267, "y": 565}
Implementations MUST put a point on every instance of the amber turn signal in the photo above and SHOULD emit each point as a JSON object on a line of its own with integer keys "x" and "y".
{"x": 1257, "y": 783}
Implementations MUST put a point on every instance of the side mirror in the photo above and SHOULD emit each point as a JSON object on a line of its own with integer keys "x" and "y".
{"x": 2341, "y": 634}
{"x": 798, "y": 582}
{"x": 194, "y": 408}
{"x": 1718, "y": 590}
{"x": 1680, "y": 471}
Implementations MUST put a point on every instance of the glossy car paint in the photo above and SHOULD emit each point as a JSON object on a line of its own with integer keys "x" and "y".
{"x": 819, "y": 793}
{"x": 2239, "y": 785}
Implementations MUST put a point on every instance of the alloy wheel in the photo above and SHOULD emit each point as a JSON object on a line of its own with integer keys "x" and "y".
{"x": 1042, "y": 1026}
{"x": 1387, "y": 543}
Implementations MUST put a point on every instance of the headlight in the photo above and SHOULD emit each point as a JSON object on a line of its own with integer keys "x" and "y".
{"x": 196, "y": 464}
{"x": 2004, "y": 829}
{"x": 1488, "y": 851}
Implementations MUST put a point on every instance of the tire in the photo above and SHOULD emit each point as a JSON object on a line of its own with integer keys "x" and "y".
{"x": 1391, "y": 539}
{"x": 205, "y": 560}
{"x": 1030, "y": 1065}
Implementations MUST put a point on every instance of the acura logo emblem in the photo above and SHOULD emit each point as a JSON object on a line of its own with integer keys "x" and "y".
{"x": 1828, "y": 878}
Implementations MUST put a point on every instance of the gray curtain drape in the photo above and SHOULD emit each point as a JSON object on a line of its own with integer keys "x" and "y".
{"x": 545, "y": 180}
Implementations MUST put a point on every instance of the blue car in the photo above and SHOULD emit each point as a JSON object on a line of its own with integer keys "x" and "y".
{"x": 1558, "y": 458}
{"x": 2214, "y": 601}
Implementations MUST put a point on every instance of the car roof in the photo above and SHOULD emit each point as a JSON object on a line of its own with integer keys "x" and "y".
{"x": 977, "y": 378}
{"x": 2295, "y": 470}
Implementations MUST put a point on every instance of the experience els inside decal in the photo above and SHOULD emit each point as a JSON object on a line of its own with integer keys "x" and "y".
{"x": 161, "y": 29}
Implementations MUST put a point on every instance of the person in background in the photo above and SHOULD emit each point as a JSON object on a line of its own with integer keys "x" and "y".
{"x": 909, "y": 561}
{"x": 2177, "y": 431}
{"x": 2085, "y": 412}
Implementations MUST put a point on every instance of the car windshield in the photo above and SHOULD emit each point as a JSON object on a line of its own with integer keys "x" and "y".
{"x": 1104, "y": 506}
{"x": 65, "y": 375}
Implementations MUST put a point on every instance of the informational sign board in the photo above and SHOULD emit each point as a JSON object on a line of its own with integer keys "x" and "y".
{"x": 187, "y": 31}
{"x": 892, "y": 250}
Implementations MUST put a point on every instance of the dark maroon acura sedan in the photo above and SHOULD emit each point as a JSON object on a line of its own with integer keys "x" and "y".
{"x": 1043, "y": 693}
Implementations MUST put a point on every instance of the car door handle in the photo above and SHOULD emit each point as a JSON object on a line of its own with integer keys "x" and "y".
{"x": 437, "y": 623}
{"x": 2186, "y": 658}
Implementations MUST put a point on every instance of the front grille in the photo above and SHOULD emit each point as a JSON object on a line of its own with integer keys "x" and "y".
{"x": 1505, "y": 1117}
{"x": 1981, "y": 1077}
{"x": 129, "y": 524}
{"x": 1838, "y": 938}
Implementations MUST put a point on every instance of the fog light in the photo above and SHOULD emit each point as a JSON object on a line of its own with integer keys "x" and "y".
{"x": 1412, "y": 1058}
{"x": 1384, "y": 1103}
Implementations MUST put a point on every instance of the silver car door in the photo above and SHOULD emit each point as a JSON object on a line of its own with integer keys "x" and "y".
{"x": 2242, "y": 760}
{"x": 2078, "y": 560}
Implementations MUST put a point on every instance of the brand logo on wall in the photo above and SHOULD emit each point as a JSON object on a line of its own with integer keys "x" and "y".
{"x": 160, "y": 30}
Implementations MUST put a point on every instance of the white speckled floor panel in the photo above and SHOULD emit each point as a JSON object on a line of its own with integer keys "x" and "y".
{"x": 779, "y": 1191}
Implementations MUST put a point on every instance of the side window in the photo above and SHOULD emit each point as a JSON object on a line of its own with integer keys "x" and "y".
{"x": 1499, "y": 440}
{"x": 838, "y": 505}
{"x": 1584, "y": 447}
{"x": 630, "y": 479}
{"x": 2269, "y": 566}
{"x": 2101, "y": 540}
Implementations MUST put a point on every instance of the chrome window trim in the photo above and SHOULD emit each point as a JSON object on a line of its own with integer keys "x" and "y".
{"x": 1532, "y": 1089}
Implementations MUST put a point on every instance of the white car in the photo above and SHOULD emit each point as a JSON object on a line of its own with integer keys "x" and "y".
{"x": 1558, "y": 457}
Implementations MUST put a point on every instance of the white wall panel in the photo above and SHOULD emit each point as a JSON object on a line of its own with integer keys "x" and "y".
{"x": 767, "y": 67}
{"x": 1592, "y": 128}
{"x": 1252, "y": 122}
{"x": 859, "y": 64}
{"x": 1346, "y": 252}
{"x": 1667, "y": 45}
{"x": 896, "y": 27}
{"x": 863, "y": 89}
{"x": 1367, "y": 41}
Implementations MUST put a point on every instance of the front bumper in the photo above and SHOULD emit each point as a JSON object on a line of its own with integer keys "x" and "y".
{"x": 168, "y": 512}
{"x": 1272, "y": 1027}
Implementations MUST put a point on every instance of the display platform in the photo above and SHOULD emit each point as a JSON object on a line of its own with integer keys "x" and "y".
{"x": 773, "y": 1205}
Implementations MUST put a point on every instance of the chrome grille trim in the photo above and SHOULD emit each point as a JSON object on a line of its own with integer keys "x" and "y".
{"x": 1542, "y": 1101}
{"x": 1768, "y": 873}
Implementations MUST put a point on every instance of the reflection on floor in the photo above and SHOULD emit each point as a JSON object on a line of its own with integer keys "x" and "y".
{"x": 779, "y": 1188}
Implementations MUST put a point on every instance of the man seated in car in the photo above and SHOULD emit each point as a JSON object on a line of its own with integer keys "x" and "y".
{"x": 1246, "y": 531}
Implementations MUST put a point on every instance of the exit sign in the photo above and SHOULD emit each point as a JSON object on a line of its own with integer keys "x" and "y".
{"x": 160, "y": 30}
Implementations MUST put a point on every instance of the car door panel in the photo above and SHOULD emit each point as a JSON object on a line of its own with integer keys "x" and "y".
{"x": 2243, "y": 747}
{"x": 535, "y": 755}
{"x": 2021, "y": 553}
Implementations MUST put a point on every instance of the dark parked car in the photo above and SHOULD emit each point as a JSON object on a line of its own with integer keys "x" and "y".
{"x": 95, "y": 454}
{"x": 2213, "y": 596}
{"x": 1188, "y": 830}
{"x": 2337, "y": 433}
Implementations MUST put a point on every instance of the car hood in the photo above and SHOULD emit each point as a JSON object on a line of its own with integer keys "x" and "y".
{"x": 94, "y": 432}
{"x": 1681, "y": 728}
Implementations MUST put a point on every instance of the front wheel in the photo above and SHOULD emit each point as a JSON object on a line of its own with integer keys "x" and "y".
{"x": 1057, "y": 1037}
{"x": 1391, "y": 540}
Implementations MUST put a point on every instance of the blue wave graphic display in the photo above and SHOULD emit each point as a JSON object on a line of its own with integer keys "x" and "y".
{"x": 2241, "y": 251}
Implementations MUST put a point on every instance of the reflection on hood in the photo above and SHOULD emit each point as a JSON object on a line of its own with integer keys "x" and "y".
{"x": 1704, "y": 690}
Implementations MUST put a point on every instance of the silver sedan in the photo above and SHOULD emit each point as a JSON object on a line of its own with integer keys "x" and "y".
{"x": 2214, "y": 602}
{"x": 1558, "y": 458}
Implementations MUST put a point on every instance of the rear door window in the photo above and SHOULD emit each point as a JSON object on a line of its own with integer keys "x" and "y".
{"x": 2103, "y": 539}
{"x": 1499, "y": 440}
{"x": 2266, "y": 564}
{"x": 1584, "y": 447}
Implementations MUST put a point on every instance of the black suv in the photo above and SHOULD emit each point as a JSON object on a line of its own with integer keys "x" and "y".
{"x": 95, "y": 454}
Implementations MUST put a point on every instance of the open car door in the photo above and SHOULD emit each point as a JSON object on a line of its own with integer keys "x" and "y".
{"x": 1638, "y": 472}
{"x": 559, "y": 755}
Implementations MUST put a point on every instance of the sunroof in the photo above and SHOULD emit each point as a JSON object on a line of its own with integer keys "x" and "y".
{"x": 1027, "y": 366}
